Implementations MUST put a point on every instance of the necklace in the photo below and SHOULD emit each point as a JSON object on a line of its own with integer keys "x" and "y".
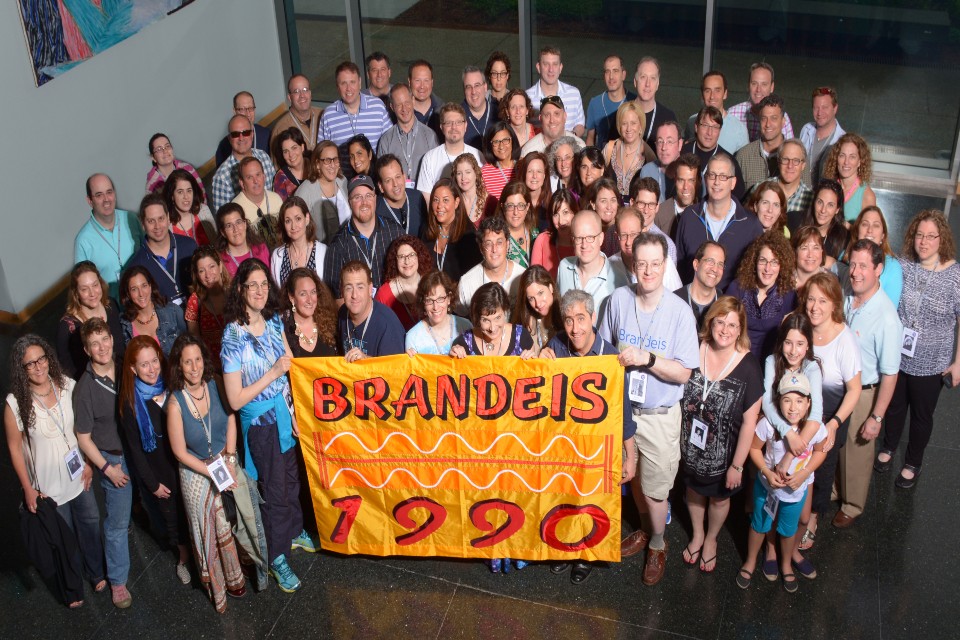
{"x": 406, "y": 307}
{"x": 303, "y": 338}
{"x": 436, "y": 336}
{"x": 44, "y": 395}
{"x": 488, "y": 346}
{"x": 295, "y": 259}
{"x": 194, "y": 408}
{"x": 144, "y": 323}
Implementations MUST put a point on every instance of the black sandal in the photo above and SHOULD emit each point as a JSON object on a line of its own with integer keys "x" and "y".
{"x": 882, "y": 467}
{"x": 907, "y": 483}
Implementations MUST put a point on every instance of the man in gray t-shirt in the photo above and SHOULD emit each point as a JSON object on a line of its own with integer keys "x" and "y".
{"x": 656, "y": 334}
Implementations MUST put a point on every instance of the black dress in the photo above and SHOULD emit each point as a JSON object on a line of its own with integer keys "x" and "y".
{"x": 320, "y": 348}
{"x": 458, "y": 257}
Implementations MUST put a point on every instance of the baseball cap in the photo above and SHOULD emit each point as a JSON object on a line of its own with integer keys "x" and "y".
{"x": 794, "y": 383}
{"x": 360, "y": 180}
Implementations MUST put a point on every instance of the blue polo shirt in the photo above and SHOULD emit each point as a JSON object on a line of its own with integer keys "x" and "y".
{"x": 109, "y": 250}
{"x": 879, "y": 332}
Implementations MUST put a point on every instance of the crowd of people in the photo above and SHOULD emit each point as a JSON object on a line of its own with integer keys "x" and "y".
{"x": 743, "y": 276}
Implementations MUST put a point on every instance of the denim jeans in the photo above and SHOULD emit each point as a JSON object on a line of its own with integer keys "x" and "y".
{"x": 117, "y": 502}
{"x": 82, "y": 515}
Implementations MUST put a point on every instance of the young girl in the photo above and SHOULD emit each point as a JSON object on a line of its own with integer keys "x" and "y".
{"x": 776, "y": 495}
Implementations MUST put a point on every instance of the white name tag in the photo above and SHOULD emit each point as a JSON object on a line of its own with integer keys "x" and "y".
{"x": 770, "y": 504}
{"x": 909, "y": 344}
{"x": 638, "y": 386}
{"x": 698, "y": 434}
{"x": 74, "y": 463}
{"x": 221, "y": 475}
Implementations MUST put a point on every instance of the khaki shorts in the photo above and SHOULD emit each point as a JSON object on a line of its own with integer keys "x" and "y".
{"x": 658, "y": 440}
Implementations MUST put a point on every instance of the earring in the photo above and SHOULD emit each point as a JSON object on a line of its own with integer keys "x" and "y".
{"x": 294, "y": 306}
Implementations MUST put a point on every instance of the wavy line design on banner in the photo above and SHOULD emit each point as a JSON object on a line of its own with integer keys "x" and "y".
{"x": 465, "y": 477}
{"x": 467, "y": 444}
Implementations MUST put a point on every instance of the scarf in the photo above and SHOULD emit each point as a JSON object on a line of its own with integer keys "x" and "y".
{"x": 144, "y": 393}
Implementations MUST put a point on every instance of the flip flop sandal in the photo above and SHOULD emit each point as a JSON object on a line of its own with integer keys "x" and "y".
{"x": 693, "y": 556}
{"x": 704, "y": 563}
{"x": 806, "y": 542}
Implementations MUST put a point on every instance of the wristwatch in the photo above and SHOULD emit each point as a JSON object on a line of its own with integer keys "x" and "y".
{"x": 736, "y": 468}
{"x": 879, "y": 419}
{"x": 652, "y": 361}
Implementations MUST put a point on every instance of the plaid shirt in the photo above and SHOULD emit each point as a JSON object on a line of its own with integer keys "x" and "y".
{"x": 745, "y": 114}
{"x": 798, "y": 204}
{"x": 226, "y": 181}
{"x": 349, "y": 245}
{"x": 755, "y": 167}
{"x": 155, "y": 179}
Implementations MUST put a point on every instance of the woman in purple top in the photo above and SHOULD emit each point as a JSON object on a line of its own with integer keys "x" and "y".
{"x": 764, "y": 285}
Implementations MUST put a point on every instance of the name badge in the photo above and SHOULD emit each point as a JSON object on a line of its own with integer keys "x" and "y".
{"x": 221, "y": 475}
{"x": 698, "y": 434}
{"x": 909, "y": 343}
{"x": 74, "y": 462}
{"x": 411, "y": 184}
{"x": 638, "y": 386}
{"x": 770, "y": 504}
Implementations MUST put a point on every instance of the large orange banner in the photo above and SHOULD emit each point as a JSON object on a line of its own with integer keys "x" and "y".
{"x": 476, "y": 458}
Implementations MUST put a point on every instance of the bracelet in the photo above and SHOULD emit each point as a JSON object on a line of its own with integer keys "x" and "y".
{"x": 651, "y": 361}
{"x": 738, "y": 469}
{"x": 104, "y": 468}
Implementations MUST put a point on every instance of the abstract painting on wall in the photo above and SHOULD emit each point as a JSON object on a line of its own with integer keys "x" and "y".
{"x": 63, "y": 33}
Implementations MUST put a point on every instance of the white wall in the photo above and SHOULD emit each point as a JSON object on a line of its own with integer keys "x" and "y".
{"x": 177, "y": 76}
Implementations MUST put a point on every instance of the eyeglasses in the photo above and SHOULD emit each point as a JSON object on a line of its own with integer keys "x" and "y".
{"x": 330, "y": 161}
{"x": 360, "y": 197}
{"x": 666, "y": 142}
{"x": 35, "y": 364}
{"x": 586, "y": 240}
{"x": 165, "y": 147}
{"x": 501, "y": 142}
{"x": 297, "y": 92}
{"x": 493, "y": 244}
{"x": 476, "y": 86}
{"x": 499, "y": 74}
{"x": 246, "y": 133}
{"x": 230, "y": 226}
{"x": 713, "y": 176}
{"x": 245, "y": 109}
{"x": 407, "y": 257}
{"x": 655, "y": 265}
{"x": 434, "y": 302}
{"x": 629, "y": 237}
{"x": 453, "y": 123}
{"x": 773, "y": 262}
{"x": 930, "y": 237}
{"x": 708, "y": 125}
{"x": 510, "y": 206}
{"x": 257, "y": 286}
{"x": 721, "y": 324}
{"x": 646, "y": 206}
{"x": 712, "y": 262}
{"x": 791, "y": 162}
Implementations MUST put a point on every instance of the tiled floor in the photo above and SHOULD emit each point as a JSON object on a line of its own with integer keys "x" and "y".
{"x": 890, "y": 576}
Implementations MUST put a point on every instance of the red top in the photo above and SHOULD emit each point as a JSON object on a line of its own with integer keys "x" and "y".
{"x": 198, "y": 234}
{"x": 548, "y": 255}
{"x": 385, "y": 296}
{"x": 232, "y": 263}
{"x": 211, "y": 326}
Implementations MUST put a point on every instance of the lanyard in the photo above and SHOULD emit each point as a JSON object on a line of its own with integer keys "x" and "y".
{"x": 104, "y": 238}
{"x": 62, "y": 421}
{"x": 206, "y": 424}
{"x": 172, "y": 278}
{"x": 373, "y": 252}
{"x": 636, "y": 308}
{"x": 296, "y": 122}
{"x": 110, "y": 389}
{"x": 363, "y": 334}
{"x": 407, "y": 149}
{"x": 727, "y": 220}
{"x": 441, "y": 257}
{"x": 484, "y": 120}
{"x": 404, "y": 218}
{"x": 710, "y": 386}
{"x": 434, "y": 337}
{"x": 653, "y": 118}
{"x": 232, "y": 257}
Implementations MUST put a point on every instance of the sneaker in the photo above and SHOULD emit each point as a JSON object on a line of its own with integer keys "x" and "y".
{"x": 284, "y": 575}
{"x": 183, "y": 573}
{"x": 305, "y": 542}
{"x": 496, "y": 565}
{"x": 669, "y": 512}
{"x": 121, "y": 597}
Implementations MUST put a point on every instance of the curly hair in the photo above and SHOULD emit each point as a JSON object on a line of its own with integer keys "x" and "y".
{"x": 757, "y": 194}
{"x": 324, "y": 316}
{"x": 235, "y": 308}
{"x": 481, "y": 188}
{"x": 170, "y": 188}
{"x": 523, "y": 313}
{"x": 855, "y": 231}
{"x": 73, "y": 295}
{"x": 782, "y": 252}
{"x": 720, "y": 308}
{"x": 864, "y": 173}
{"x": 207, "y": 251}
{"x": 175, "y": 380}
{"x": 947, "y": 247}
{"x": 126, "y": 302}
{"x": 830, "y": 286}
{"x": 563, "y": 141}
{"x": 425, "y": 263}
{"x": 19, "y": 381}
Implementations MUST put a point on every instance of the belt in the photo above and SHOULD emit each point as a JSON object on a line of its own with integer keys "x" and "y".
{"x": 870, "y": 386}
{"x": 659, "y": 411}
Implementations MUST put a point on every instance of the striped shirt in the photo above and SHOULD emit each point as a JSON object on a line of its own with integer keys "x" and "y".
{"x": 226, "y": 181}
{"x": 495, "y": 178}
{"x": 338, "y": 125}
{"x": 572, "y": 102}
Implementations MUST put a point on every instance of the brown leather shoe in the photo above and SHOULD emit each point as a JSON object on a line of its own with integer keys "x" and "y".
{"x": 842, "y": 520}
{"x": 656, "y": 565}
{"x": 634, "y": 543}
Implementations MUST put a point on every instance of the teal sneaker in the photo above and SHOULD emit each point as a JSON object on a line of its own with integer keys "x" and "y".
{"x": 305, "y": 542}
{"x": 284, "y": 575}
